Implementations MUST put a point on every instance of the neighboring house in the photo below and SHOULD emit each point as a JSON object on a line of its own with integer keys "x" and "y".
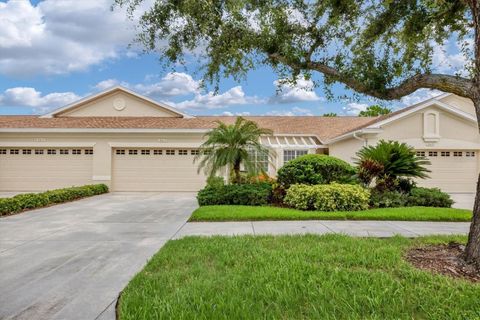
{"x": 133, "y": 143}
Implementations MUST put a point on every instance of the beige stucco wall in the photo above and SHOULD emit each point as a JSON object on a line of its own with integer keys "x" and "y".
{"x": 461, "y": 103}
{"x": 118, "y": 104}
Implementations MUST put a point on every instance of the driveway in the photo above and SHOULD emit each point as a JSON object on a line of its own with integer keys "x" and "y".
{"x": 70, "y": 261}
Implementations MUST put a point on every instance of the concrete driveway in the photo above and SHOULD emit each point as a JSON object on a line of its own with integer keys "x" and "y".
{"x": 70, "y": 261}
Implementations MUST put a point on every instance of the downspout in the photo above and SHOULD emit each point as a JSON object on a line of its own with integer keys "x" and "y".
{"x": 365, "y": 141}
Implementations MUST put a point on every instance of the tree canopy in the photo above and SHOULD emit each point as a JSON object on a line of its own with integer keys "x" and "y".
{"x": 374, "y": 110}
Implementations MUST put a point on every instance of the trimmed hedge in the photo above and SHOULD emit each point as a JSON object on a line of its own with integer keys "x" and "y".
{"x": 328, "y": 197}
{"x": 254, "y": 194}
{"x": 429, "y": 197}
{"x": 315, "y": 169}
{"x": 388, "y": 199}
{"x": 28, "y": 201}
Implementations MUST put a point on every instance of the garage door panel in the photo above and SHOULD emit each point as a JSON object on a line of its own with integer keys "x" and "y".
{"x": 31, "y": 172}
{"x": 452, "y": 173}
{"x": 155, "y": 172}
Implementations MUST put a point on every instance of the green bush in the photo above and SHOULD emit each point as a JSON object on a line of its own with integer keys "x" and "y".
{"x": 255, "y": 194}
{"x": 429, "y": 197}
{"x": 37, "y": 200}
{"x": 387, "y": 199}
{"x": 315, "y": 169}
{"x": 215, "y": 181}
{"x": 328, "y": 197}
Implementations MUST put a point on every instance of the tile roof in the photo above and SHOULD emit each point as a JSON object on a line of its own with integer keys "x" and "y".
{"x": 323, "y": 127}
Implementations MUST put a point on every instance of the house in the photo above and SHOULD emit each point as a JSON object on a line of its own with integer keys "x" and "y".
{"x": 133, "y": 143}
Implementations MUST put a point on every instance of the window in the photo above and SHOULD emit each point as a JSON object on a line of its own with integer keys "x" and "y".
{"x": 292, "y": 154}
{"x": 170, "y": 152}
{"x": 145, "y": 152}
{"x": 120, "y": 151}
{"x": 260, "y": 159}
{"x": 27, "y": 151}
{"x": 38, "y": 151}
{"x": 14, "y": 151}
{"x": 76, "y": 151}
{"x": 132, "y": 152}
{"x": 3, "y": 151}
{"x": 432, "y": 153}
{"x": 64, "y": 151}
{"x": 195, "y": 152}
{"x": 51, "y": 151}
{"x": 470, "y": 154}
{"x": 182, "y": 152}
{"x": 445, "y": 153}
{"x": 157, "y": 152}
{"x": 458, "y": 154}
{"x": 88, "y": 151}
{"x": 420, "y": 153}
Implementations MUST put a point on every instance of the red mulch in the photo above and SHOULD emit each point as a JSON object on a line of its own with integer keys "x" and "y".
{"x": 443, "y": 259}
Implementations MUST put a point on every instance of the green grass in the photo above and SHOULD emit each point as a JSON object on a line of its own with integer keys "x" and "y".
{"x": 243, "y": 213}
{"x": 294, "y": 277}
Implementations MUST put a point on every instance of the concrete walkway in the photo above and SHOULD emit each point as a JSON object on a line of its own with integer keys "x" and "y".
{"x": 354, "y": 228}
{"x": 70, "y": 261}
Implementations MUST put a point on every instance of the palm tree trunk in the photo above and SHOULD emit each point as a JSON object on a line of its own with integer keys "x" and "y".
{"x": 236, "y": 170}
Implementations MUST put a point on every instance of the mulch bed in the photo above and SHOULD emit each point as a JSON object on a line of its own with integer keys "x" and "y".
{"x": 443, "y": 259}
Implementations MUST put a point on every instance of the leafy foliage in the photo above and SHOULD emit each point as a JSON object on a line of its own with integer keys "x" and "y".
{"x": 314, "y": 169}
{"x": 27, "y": 201}
{"x": 328, "y": 197}
{"x": 429, "y": 197}
{"x": 375, "y": 110}
{"x": 387, "y": 199}
{"x": 388, "y": 161}
{"x": 255, "y": 194}
{"x": 231, "y": 146}
{"x": 330, "y": 114}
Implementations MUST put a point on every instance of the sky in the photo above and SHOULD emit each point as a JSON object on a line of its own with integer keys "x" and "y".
{"x": 54, "y": 52}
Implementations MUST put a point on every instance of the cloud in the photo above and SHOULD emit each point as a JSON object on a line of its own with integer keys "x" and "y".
{"x": 230, "y": 114}
{"x": 449, "y": 58}
{"x": 29, "y": 97}
{"x": 57, "y": 37}
{"x": 354, "y": 108}
{"x": 233, "y": 96}
{"x": 301, "y": 91}
{"x": 179, "y": 84}
{"x": 419, "y": 96}
{"x": 295, "y": 111}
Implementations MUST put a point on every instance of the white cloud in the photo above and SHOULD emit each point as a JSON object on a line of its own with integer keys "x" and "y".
{"x": 354, "y": 108}
{"x": 230, "y": 114}
{"x": 295, "y": 111}
{"x": 448, "y": 58}
{"x": 419, "y": 96}
{"x": 55, "y": 37}
{"x": 173, "y": 84}
{"x": 106, "y": 84}
{"x": 233, "y": 96}
{"x": 302, "y": 90}
{"x": 29, "y": 97}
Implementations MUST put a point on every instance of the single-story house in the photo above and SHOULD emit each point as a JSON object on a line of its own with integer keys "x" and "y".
{"x": 133, "y": 143}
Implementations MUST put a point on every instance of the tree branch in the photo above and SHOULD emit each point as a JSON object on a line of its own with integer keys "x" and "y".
{"x": 447, "y": 83}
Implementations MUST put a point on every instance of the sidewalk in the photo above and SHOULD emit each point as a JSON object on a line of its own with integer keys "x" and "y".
{"x": 354, "y": 228}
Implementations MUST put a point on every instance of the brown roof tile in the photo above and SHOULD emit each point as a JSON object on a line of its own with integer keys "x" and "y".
{"x": 323, "y": 127}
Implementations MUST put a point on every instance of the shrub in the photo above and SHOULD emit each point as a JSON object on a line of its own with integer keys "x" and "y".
{"x": 255, "y": 194}
{"x": 37, "y": 200}
{"x": 429, "y": 197}
{"x": 315, "y": 169}
{"x": 215, "y": 181}
{"x": 387, "y": 199}
{"x": 328, "y": 197}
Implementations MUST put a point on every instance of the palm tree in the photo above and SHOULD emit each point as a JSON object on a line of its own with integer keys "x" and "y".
{"x": 231, "y": 146}
{"x": 388, "y": 161}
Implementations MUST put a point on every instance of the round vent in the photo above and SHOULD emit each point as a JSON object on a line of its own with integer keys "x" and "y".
{"x": 119, "y": 104}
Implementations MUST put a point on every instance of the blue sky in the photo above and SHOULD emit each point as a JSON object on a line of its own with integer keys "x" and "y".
{"x": 54, "y": 52}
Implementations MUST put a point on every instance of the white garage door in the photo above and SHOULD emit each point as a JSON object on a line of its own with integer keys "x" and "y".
{"x": 44, "y": 169}
{"x": 452, "y": 171}
{"x": 155, "y": 170}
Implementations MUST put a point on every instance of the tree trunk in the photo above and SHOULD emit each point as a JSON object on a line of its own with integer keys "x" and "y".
{"x": 236, "y": 170}
{"x": 472, "y": 251}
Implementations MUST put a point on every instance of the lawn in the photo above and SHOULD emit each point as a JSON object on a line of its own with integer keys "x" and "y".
{"x": 294, "y": 277}
{"x": 242, "y": 213}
